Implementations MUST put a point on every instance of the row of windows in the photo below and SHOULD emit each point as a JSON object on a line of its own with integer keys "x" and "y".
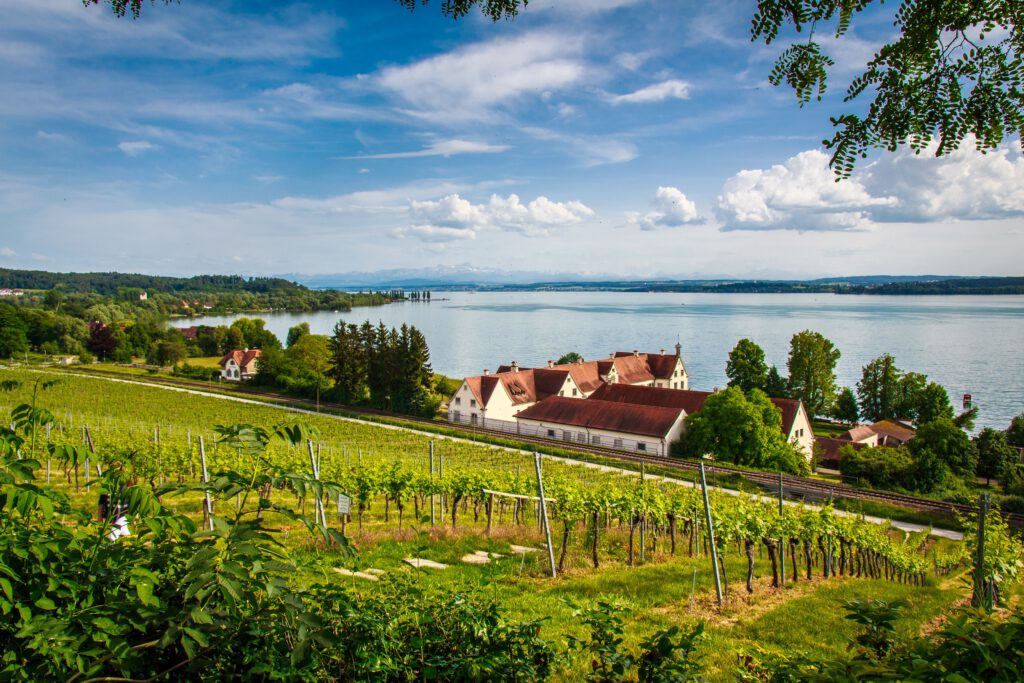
{"x": 472, "y": 402}
{"x": 595, "y": 439}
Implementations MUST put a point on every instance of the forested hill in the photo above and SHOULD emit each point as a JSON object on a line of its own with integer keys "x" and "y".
{"x": 110, "y": 284}
{"x": 978, "y": 285}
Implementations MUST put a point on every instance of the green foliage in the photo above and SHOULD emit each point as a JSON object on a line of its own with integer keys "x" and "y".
{"x": 933, "y": 404}
{"x": 296, "y": 332}
{"x": 942, "y": 444}
{"x": 167, "y": 353}
{"x": 1015, "y": 432}
{"x": 879, "y": 389}
{"x": 952, "y": 74}
{"x": 880, "y": 467}
{"x": 995, "y": 455}
{"x": 812, "y": 365}
{"x": 745, "y": 367}
{"x": 13, "y": 332}
{"x": 740, "y": 429}
{"x": 567, "y": 358}
{"x": 845, "y": 408}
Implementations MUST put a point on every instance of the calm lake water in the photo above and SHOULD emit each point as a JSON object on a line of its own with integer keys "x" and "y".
{"x": 968, "y": 344}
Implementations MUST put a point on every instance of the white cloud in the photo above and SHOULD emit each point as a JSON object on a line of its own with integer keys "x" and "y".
{"x": 670, "y": 89}
{"x": 455, "y": 213}
{"x": 903, "y": 187}
{"x": 267, "y": 179}
{"x": 442, "y": 148}
{"x": 801, "y": 194}
{"x": 7, "y": 251}
{"x": 592, "y": 150}
{"x": 436, "y": 233}
{"x": 52, "y": 137}
{"x": 134, "y": 148}
{"x": 469, "y": 83}
{"x": 964, "y": 185}
{"x": 672, "y": 209}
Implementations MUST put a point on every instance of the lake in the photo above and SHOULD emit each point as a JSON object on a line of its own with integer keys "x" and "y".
{"x": 968, "y": 344}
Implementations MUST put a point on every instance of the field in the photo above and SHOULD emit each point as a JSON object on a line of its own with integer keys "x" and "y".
{"x": 652, "y": 546}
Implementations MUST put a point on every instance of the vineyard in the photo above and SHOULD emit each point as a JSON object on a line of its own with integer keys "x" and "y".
{"x": 436, "y": 498}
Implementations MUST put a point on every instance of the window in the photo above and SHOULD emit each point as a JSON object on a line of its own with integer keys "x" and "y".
{"x": 566, "y": 435}
{"x": 595, "y": 439}
{"x": 458, "y": 401}
{"x": 457, "y": 416}
{"x": 618, "y": 443}
{"x": 561, "y": 393}
{"x": 581, "y": 437}
{"x": 640, "y": 446}
{"x": 551, "y": 433}
{"x": 574, "y": 392}
{"x": 472, "y": 403}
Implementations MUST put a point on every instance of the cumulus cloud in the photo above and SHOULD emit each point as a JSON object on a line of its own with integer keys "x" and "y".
{"x": 441, "y": 148}
{"x": 672, "y": 209}
{"x": 670, "y": 89}
{"x": 7, "y": 251}
{"x": 452, "y": 217}
{"x": 134, "y": 148}
{"x": 467, "y": 84}
{"x": 802, "y": 194}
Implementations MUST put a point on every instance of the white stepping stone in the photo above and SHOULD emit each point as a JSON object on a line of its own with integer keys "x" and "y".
{"x": 522, "y": 549}
{"x": 486, "y": 553}
{"x": 475, "y": 558}
{"x": 375, "y": 572}
{"x": 361, "y": 575}
{"x": 421, "y": 563}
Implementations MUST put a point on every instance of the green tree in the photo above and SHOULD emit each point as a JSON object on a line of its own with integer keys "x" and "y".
{"x": 845, "y": 408}
{"x": 745, "y": 367}
{"x": 296, "y": 332}
{"x": 348, "y": 364}
{"x": 741, "y": 429}
{"x": 995, "y": 455}
{"x": 812, "y": 365}
{"x": 1015, "y": 432}
{"x": 571, "y": 357}
{"x": 313, "y": 352}
{"x": 879, "y": 467}
{"x": 13, "y": 332}
{"x": 933, "y": 404}
{"x": 775, "y": 385}
{"x": 255, "y": 334}
{"x": 166, "y": 353}
{"x": 878, "y": 390}
{"x": 53, "y": 299}
{"x": 941, "y": 443}
{"x": 912, "y": 386}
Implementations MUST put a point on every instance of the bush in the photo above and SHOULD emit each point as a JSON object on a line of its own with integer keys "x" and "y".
{"x": 880, "y": 467}
{"x": 195, "y": 372}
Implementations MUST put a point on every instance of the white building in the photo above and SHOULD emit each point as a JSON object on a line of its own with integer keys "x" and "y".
{"x": 494, "y": 399}
{"x": 627, "y": 426}
{"x": 240, "y": 364}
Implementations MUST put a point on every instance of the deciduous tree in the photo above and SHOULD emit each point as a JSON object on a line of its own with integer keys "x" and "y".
{"x": 878, "y": 390}
{"x": 812, "y": 366}
{"x": 995, "y": 455}
{"x": 845, "y": 408}
{"x": 745, "y": 367}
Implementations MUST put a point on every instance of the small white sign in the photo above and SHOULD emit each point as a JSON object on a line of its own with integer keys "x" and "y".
{"x": 344, "y": 504}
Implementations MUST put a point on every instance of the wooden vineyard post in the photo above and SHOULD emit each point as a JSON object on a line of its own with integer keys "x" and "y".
{"x": 711, "y": 535}
{"x": 981, "y": 596}
{"x": 318, "y": 509}
{"x": 782, "y": 541}
{"x": 47, "y": 453}
{"x": 207, "y": 503}
{"x": 490, "y": 510}
{"x": 92, "y": 449}
{"x": 84, "y": 434}
{"x": 431, "y": 483}
{"x": 544, "y": 513}
{"x": 643, "y": 519}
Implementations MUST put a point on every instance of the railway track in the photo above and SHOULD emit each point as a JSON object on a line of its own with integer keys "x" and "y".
{"x": 795, "y": 486}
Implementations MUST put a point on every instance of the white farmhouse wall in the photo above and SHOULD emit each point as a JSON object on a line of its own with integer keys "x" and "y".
{"x": 607, "y": 438}
{"x": 801, "y": 434}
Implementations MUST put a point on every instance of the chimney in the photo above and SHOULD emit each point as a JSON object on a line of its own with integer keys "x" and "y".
{"x": 579, "y": 360}
{"x": 551, "y": 363}
{"x": 515, "y": 366}
{"x": 661, "y": 352}
{"x": 636, "y": 354}
{"x": 486, "y": 371}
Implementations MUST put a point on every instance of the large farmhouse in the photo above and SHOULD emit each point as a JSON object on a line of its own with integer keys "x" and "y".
{"x": 240, "y": 364}
{"x": 493, "y": 400}
{"x": 634, "y": 401}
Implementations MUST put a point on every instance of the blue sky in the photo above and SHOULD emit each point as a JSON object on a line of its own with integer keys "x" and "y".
{"x": 601, "y": 137}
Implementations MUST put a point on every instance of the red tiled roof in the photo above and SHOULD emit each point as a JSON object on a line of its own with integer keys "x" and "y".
{"x": 662, "y": 365}
{"x": 633, "y": 369}
{"x": 789, "y": 407}
{"x": 607, "y": 415}
{"x": 189, "y": 332}
{"x": 892, "y": 433}
{"x": 679, "y": 399}
{"x": 829, "y": 448}
{"x": 241, "y": 357}
{"x": 859, "y": 433}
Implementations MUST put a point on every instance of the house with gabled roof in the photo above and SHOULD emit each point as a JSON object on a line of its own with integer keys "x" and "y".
{"x": 239, "y": 365}
{"x": 628, "y": 426}
{"x": 494, "y": 399}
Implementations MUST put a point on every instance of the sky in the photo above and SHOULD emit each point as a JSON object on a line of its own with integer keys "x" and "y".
{"x": 627, "y": 138}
